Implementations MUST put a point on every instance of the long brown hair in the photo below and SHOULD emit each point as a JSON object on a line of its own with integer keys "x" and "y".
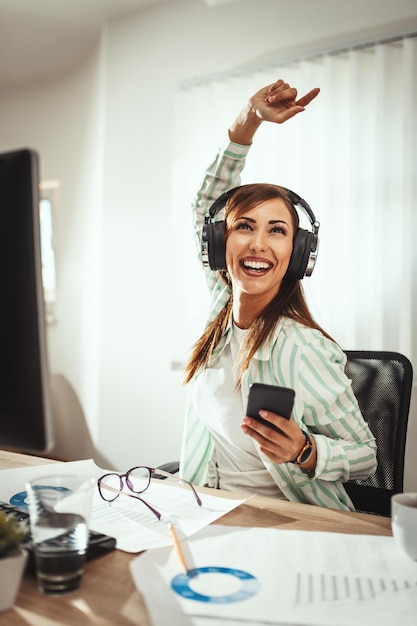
{"x": 288, "y": 302}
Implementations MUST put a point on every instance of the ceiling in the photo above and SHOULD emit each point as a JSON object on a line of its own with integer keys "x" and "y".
{"x": 42, "y": 38}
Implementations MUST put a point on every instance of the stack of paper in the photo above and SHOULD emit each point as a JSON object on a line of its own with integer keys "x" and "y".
{"x": 128, "y": 519}
{"x": 271, "y": 576}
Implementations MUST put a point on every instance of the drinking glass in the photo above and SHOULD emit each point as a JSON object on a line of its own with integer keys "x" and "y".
{"x": 59, "y": 509}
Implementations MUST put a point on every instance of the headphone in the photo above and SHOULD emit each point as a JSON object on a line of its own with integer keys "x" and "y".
{"x": 304, "y": 254}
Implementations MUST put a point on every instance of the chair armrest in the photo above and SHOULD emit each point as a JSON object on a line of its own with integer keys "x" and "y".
{"x": 173, "y": 467}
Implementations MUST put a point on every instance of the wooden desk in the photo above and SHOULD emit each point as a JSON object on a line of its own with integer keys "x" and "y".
{"x": 108, "y": 596}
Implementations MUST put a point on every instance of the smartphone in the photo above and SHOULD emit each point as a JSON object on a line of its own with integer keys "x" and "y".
{"x": 279, "y": 400}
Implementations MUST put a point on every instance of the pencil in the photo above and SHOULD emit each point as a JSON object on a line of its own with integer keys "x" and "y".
{"x": 178, "y": 548}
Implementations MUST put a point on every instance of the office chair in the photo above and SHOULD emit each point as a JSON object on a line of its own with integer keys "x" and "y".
{"x": 382, "y": 383}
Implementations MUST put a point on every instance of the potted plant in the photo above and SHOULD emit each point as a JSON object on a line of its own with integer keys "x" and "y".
{"x": 12, "y": 558}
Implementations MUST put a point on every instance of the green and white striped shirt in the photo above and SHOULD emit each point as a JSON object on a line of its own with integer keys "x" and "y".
{"x": 297, "y": 357}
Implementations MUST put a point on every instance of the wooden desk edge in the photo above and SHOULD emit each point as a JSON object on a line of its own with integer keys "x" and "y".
{"x": 274, "y": 512}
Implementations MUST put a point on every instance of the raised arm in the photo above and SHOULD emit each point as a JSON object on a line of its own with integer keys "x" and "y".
{"x": 274, "y": 103}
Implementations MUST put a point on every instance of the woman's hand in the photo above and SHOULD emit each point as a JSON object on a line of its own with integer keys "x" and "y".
{"x": 275, "y": 103}
{"x": 279, "y": 447}
{"x": 278, "y": 102}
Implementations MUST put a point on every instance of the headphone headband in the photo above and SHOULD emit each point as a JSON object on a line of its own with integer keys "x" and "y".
{"x": 221, "y": 201}
{"x": 213, "y": 239}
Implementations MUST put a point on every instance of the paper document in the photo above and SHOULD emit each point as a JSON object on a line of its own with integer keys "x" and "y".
{"x": 128, "y": 519}
{"x": 272, "y": 576}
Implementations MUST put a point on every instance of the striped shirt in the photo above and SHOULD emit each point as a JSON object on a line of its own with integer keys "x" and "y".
{"x": 294, "y": 356}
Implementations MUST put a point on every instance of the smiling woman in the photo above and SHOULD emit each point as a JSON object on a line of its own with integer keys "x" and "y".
{"x": 339, "y": 154}
{"x": 260, "y": 233}
{"x": 259, "y": 244}
{"x": 260, "y": 330}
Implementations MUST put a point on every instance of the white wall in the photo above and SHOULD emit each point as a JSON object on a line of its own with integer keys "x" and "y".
{"x": 106, "y": 131}
{"x": 62, "y": 120}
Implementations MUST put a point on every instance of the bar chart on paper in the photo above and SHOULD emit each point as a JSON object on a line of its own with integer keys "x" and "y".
{"x": 314, "y": 588}
{"x": 285, "y": 577}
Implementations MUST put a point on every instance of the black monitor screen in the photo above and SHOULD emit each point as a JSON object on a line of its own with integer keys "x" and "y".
{"x": 24, "y": 376}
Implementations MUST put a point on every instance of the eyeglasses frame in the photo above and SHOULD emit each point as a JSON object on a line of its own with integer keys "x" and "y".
{"x": 153, "y": 473}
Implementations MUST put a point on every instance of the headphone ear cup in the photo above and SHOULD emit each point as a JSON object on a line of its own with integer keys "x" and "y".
{"x": 213, "y": 239}
{"x": 304, "y": 244}
{"x": 216, "y": 245}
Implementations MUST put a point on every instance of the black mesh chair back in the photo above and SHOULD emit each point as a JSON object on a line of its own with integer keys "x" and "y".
{"x": 382, "y": 383}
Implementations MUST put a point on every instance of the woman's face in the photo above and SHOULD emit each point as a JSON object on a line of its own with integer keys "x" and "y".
{"x": 258, "y": 249}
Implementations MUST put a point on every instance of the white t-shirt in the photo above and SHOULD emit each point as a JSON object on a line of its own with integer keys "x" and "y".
{"x": 221, "y": 408}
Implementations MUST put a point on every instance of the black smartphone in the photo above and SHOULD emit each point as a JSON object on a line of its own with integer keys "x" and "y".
{"x": 279, "y": 400}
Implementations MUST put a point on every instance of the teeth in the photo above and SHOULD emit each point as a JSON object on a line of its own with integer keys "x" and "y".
{"x": 256, "y": 265}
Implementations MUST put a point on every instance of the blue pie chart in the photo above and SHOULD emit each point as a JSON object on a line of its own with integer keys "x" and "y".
{"x": 248, "y": 585}
{"x": 20, "y": 499}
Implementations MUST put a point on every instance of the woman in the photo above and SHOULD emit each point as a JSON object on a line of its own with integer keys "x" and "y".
{"x": 260, "y": 330}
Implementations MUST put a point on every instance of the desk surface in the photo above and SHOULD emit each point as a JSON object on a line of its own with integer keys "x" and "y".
{"x": 108, "y": 596}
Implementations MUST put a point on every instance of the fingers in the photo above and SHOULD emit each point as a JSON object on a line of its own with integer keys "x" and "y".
{"x": 280, "y": 446}
{"x": 273, "y": 445}
{"x": 305, "y": 100}
{"x": 282, "y": 114}
{"x": 271, "y": 425}
{"x": 281, "y": 91}
{"x": 290, "y": 112}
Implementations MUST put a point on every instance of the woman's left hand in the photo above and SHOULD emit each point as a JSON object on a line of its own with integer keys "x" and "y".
{"x": 280, "y": 446}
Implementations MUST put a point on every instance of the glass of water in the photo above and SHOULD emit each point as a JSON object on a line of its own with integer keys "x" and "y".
{"x": 59, "y": 508}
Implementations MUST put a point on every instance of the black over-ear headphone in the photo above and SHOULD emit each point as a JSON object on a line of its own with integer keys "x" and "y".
{"x": 304, "y": 254}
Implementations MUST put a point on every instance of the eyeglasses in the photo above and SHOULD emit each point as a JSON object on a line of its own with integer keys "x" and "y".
{"x": 137, "y": 480}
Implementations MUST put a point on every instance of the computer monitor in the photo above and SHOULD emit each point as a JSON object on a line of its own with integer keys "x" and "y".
{"x": 25, "y": 405}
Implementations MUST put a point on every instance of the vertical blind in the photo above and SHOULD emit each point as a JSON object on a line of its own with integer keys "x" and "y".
{"x": 352, "y": 156}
